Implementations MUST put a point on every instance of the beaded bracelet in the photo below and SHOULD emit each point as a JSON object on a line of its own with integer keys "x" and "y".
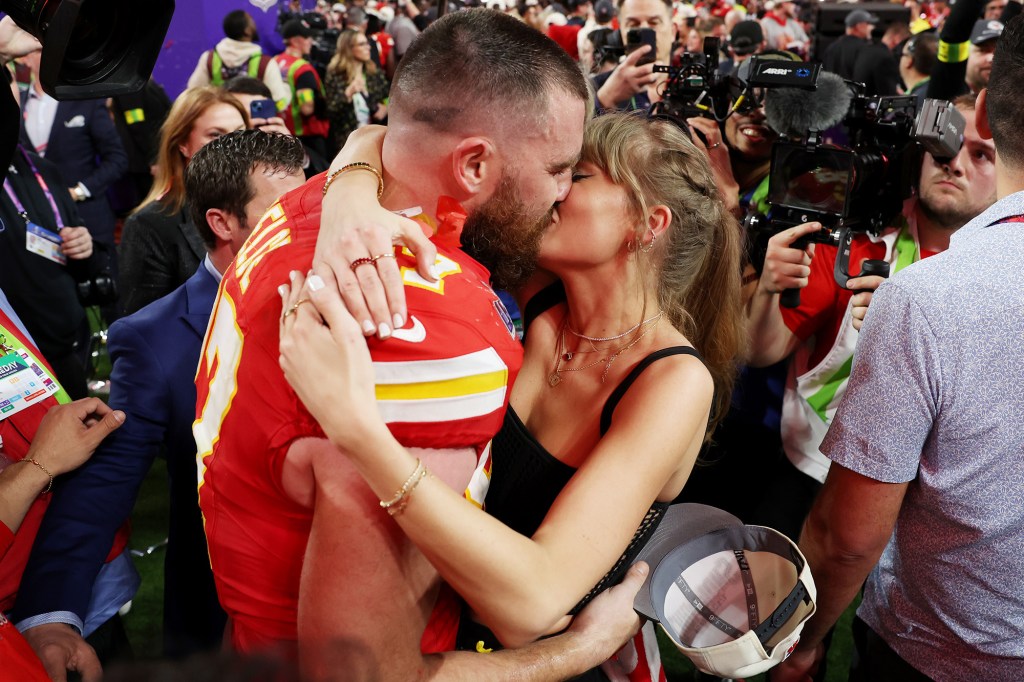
{"x": 396, "y": 505}
{"x": 358, "y": 165}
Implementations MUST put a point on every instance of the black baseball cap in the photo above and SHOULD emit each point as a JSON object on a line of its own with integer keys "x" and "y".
{"x": 296, "y": 27}
{"x": 746, "y": 37}
{"x": 985, "y": 30}
{"x": 860, "y": 16}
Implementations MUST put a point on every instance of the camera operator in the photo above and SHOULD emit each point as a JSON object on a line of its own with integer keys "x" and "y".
{"x": 631, "y": 85}
{"x": 822, "y": 330}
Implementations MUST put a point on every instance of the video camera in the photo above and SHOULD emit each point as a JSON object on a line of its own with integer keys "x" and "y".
{"x": 94, "y": 48}
{"x": 695, "y": 87}
{"x": 856, "y": 187}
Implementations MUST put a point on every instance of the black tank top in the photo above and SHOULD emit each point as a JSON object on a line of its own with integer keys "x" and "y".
{"x": 526, "y": 478}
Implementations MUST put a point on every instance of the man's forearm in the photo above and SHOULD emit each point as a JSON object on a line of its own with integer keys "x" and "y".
{"x": 548, "y": 660}
{"x": 770, "y": 338}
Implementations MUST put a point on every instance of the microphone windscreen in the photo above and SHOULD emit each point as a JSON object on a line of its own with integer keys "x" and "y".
{"x": 791, "y": 111}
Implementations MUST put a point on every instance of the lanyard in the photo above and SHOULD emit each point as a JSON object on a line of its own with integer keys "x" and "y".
{"x": 19, "y": 207}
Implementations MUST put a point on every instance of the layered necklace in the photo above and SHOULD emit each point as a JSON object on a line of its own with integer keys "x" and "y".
{"x": 611, "y": 354}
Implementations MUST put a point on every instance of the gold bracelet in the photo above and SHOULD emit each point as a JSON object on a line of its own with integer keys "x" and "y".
{"x": 33, "y": 460}
{"x": 396, "y": 505}
{"x": 358, "y": 165}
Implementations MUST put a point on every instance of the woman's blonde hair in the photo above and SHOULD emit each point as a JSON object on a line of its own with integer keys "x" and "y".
{"x": 169, "y": 179}
{"x": 695, "y": 264}
{"x": 343, "y": 62}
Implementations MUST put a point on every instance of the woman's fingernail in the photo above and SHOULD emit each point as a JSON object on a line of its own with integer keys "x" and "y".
{"x": 369, "y": 327}
{"x": 435, "y": 272}
{"x": 397, "y": 319}
{"x": 293, "y": 275}
{"x": 315, "y": 283}
{"x": 281, "y": 290}
{"x": 384, "y": 331}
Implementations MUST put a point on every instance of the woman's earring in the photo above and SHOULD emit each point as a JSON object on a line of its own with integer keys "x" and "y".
{"x": 650, "y": 245}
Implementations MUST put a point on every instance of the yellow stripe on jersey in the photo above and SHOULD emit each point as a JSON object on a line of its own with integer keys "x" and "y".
{"x": 478, "y": 383}
{"x": 424, "y": 391}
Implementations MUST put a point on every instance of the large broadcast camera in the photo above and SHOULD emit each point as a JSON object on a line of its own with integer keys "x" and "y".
{"x": 852, "y": 185}
{"x": 94, "y": 48}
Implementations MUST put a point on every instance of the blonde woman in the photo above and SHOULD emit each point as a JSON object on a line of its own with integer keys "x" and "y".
{"x": 624, "y": 376}
{"x": 160, "y": 248}
{"x": 357, "y": 90}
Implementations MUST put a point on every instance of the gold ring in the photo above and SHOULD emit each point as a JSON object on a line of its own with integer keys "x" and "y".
{"x": 384, "y": 255}
{"x": 361, "y": 261}
{"x": 294, "y": 308}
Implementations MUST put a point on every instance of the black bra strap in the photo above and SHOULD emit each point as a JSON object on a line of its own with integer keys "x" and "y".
{"x": 620, "y": 390}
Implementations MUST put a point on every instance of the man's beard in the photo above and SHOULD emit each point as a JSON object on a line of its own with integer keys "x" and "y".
{"x": 504, "y": 237}
{"x": 946, "y": 213}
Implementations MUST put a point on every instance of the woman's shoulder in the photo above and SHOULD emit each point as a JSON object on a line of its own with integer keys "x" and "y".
{"x": 155, "y": 216}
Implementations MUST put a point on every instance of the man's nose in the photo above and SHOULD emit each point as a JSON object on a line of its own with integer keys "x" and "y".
{"x": 564, "y": 185}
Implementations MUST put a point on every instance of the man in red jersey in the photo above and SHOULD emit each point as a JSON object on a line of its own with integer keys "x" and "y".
{"x": 486, "y": 122}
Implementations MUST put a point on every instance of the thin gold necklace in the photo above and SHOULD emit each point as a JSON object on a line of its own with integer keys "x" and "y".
{"x": 555, "y": 377}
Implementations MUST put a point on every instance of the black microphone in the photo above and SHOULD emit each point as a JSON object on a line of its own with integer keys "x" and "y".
{"x": 794, "y": 112}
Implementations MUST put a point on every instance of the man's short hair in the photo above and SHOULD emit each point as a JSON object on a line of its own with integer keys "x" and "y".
{"x": 923, "y": 49}
{"x": 477, "y": 60}
{"x": 1005, "y": 94}
{"x": 217, "y": 176}
{"x": 247, "y": 85}
{"x": 236, "y": 23}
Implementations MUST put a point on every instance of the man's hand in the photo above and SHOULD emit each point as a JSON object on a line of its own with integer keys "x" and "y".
{"x": 721, "y": 165}
{"x": 865, "y": 286}
{"x": 76, "y": 242}
{"x": 799, "y": 667}
{"x": 69, "y": 434}
{"x": 274, "y": 124}
{"x": 627, "y": 79}
{"x": 61, "y": 648}
{"x": 14, "y": 42}
{"x": 786, "y": 267}
{"x": 609, "y": 620}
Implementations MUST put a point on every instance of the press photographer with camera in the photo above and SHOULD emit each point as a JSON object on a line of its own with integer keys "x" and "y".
{"x": 822, "y": 330}
{"x": 633, "y": 83}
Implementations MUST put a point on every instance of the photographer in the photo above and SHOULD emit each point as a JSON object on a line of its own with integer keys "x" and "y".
{"x": 822, "y": 330}
{"x": 632, "y": 85}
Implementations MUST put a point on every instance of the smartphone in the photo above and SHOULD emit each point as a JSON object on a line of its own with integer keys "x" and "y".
{"x": 638, "y": 37}
{"x": 262, "y": 108}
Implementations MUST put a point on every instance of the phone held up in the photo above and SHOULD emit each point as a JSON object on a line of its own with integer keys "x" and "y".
{"x": 638, "y": 37}
{"x": 262, "y": 108}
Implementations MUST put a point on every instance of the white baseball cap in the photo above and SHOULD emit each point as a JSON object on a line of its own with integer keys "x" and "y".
{"x": 733, "y": 598}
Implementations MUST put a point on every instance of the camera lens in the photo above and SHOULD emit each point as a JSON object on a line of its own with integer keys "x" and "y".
{"x": 101, "y": 40}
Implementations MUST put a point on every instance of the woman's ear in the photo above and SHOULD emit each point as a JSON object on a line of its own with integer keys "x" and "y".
{"x": 659, "y": 218}
{"x": 475, "y": 166}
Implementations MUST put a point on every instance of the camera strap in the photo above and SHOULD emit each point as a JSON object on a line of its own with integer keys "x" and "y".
{"x": 19, "y": 207}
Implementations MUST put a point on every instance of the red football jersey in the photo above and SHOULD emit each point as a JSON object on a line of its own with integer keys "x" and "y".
{"x": 442, "y": 382}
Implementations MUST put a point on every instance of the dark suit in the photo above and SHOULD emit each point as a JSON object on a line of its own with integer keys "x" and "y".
{"x": 155, "y": 354}
{"x": 159, "y": 250}
{"x": 86, "y": 147}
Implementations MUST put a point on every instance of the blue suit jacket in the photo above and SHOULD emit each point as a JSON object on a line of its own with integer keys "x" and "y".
{"x": 86, "y": 147}
{"x": 155, "y": 354}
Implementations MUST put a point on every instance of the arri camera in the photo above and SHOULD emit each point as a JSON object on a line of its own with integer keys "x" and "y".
{"x": 858, "y": 185}
{"x": 695, "y": 87}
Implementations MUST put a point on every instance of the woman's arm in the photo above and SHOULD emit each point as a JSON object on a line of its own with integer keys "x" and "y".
{"x": 354, "y": 225}
{"x": 521, "y": 587}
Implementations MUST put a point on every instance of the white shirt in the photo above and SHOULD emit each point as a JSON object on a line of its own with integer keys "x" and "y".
{"x": 40, "y": 112}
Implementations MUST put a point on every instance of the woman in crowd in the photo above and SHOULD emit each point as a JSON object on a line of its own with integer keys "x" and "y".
{"x": 624, "y": 376}
{"x": 357, "y": 90}
{"x": 160, "y": 247}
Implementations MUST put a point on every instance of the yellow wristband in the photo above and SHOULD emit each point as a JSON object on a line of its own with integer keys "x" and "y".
{"x": 953, "y": 53}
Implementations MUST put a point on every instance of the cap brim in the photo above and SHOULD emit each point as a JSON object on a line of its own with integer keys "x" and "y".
{"x": 681, "y": 524}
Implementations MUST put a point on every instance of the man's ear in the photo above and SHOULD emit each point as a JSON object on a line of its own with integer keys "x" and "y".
{"x": 475, "y": 166}
{"x": 222, "y": 223}
{"x": 981, "y": 115}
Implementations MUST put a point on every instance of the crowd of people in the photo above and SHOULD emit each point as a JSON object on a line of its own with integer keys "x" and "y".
{"x": 442, "y": 323}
